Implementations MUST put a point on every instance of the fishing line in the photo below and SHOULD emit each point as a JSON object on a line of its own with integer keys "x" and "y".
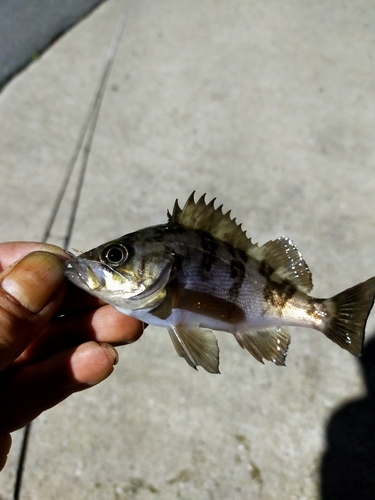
{"x": 86, "y": 133}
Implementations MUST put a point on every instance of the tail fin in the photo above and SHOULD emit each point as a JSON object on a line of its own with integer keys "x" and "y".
{"x": 348, "y": 312}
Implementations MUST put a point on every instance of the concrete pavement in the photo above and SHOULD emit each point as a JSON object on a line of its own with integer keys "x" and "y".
{"x": 270, "y": 107}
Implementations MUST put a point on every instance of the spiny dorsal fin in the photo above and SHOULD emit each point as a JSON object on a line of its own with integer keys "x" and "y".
{"x": 205, "y": 217}
{"x": 285, "y": 262}
{"x": 280, "y": 257}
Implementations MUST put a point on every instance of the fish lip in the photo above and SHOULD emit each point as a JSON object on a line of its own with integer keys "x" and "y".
{"x": 72, "y": 270}
{"x": 76, "y": 271}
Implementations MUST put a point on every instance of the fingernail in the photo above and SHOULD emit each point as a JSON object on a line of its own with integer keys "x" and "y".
{"x": 34, "y": 280}
{"x": 112, "y": 350}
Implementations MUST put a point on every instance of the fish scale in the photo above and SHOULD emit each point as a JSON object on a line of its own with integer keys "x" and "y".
{"x": 200, "y": 272}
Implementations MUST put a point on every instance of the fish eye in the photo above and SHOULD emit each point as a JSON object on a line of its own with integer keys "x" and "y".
{"x": 114, "y": 255}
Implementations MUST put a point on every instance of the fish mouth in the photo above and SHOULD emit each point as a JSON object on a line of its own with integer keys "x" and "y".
{"x": 82, "y": 274}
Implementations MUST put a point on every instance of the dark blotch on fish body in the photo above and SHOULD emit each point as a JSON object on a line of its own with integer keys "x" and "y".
{"x": 277, "y": 295}
{"x": 209, "y": 257}
{"x": 237, "y": 273}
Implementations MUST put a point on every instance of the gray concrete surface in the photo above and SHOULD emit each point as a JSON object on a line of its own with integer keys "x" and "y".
{"x": 28, "y": 28}
{"x": 270, "y": 107}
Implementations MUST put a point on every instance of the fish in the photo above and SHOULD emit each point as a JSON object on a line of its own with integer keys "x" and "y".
{"x": 200, "y": 272}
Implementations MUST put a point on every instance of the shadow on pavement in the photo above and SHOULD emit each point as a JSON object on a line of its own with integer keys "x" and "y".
{"x": 29, "y": 28}
{"x": 348, "y": 464}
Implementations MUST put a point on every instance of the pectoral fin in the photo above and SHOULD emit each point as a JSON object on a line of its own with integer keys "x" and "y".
{"x": 271, "y": 345}
{"x": 164, "y": 309}
{"x": 197, "y": 345}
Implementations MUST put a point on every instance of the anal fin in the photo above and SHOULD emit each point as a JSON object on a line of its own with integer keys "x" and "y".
{"x": 271, "y": 344}
{"x": 197, "y": 345}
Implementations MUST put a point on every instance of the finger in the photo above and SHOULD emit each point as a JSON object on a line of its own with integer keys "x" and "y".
{"x": 105, "y": 324}
{"x": 101, "y": 325}
{"x": 13, "y": 251}
{"x": 5, "y": 444}
{"x": 29, "y": 296}
{"x": 32, "y": 389}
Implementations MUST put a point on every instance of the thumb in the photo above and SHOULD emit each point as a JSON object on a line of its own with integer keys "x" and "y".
{"x": 29, "y": 296}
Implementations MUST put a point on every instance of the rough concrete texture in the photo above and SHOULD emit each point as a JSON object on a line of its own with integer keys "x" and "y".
{"x": 269, "y": 106}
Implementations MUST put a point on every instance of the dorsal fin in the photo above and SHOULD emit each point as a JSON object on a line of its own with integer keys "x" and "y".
{"x": 280, "y": 258}
{"x": 205, "y": 217}
{"x": 284, "y": 262}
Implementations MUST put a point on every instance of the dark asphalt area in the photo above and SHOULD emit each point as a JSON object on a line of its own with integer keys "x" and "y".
{"x": 28, "y": 27}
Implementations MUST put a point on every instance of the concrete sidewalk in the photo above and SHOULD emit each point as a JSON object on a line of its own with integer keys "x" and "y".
{"x": 270, "y": 107}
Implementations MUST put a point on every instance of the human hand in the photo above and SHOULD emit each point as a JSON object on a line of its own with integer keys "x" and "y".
{"x": 54, "y": 338}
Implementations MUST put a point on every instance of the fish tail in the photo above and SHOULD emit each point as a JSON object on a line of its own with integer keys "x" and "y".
{"x": 347, "y": 316}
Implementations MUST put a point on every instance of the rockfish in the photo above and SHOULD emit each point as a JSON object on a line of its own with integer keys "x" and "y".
{"x": 200, "y": 272}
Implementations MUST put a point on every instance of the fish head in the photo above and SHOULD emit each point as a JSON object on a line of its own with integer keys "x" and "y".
{"x": 129, "y": 273}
